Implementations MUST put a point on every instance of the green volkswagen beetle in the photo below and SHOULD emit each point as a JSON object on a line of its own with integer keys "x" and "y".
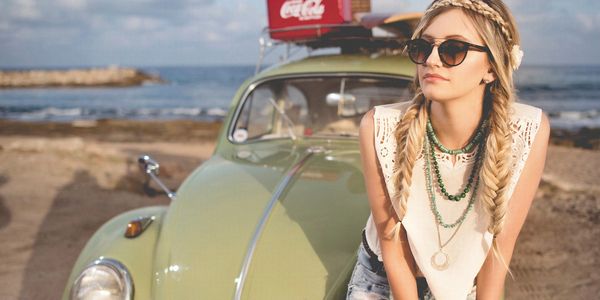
{"x": 276, "y": 212}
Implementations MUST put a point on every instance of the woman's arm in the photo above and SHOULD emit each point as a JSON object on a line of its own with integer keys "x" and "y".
{"x": 490, "y": 280}
{"x": 397, "y": 257}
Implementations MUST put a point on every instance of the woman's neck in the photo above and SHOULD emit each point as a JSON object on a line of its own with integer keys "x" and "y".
{"x": 455, "y": 121}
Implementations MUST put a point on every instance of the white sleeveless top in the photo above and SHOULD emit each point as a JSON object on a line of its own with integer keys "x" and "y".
{"x": 468, "y": 249}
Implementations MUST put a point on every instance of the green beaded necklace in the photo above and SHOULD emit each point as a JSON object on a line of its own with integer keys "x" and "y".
{"x": 440, "y": 260}
{"x": 476, "y": 139}
{"x": 427, "y": 146}
{"x": 467, "y": 188}
{"x": 465, "y": 149}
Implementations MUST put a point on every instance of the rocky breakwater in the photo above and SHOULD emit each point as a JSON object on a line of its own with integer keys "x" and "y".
{"x": 95, "y": 77}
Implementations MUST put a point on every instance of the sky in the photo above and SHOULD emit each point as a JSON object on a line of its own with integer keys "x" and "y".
{"x": 36, "y": 33}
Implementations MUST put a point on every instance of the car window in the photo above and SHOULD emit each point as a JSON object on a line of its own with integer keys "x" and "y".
{"x": 323, "y": 106}
{"x": 256, "y": 118}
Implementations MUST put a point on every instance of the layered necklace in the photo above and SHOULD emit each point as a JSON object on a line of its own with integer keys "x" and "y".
{"x": 440, "y": 259}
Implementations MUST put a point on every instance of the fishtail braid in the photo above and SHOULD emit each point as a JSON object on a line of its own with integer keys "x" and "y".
{"x": 409, "y": 133}
{"x": 495, "y": 172}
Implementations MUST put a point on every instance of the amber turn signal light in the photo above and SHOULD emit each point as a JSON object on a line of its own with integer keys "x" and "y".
{"x": 137, "y": 226}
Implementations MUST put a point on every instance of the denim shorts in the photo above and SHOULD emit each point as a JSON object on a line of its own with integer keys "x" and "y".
{"x": 369, "y": 280}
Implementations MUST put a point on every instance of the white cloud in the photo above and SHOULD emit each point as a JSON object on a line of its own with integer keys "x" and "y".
{"x": 4, "y": 25}
{"x": 589, "y": 22}
{"x": 398, "y": 6}
{"x": 233, "y": 25}
{"x": 25, "y": 9}
{"x": 72, "y": 4}
{"x": 211, "y": 36}
{"x": 141, "y": 23}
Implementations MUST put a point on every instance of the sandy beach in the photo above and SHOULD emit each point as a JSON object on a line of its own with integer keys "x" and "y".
{"x": 60, "y": 181}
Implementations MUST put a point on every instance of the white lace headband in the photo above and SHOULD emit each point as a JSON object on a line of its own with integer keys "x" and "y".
{"x": 516, "y": 54}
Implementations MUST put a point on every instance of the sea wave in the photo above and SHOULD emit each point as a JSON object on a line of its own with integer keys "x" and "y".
{"x": 571, "y": 120}
{"x": 546, "y": 87}
{"x": 575, "y": 119}
{"x": 86, "y": 113}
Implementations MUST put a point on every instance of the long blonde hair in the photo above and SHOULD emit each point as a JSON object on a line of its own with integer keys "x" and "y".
{"x": 496, "y": 26}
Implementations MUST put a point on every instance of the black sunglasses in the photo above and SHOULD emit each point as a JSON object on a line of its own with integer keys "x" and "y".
{"x": 451, "y": 52}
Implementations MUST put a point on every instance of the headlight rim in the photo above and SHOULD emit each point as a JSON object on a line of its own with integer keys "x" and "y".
{"x": 116, "y": 266}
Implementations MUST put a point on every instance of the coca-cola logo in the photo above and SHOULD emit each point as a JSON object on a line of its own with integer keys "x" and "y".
{"x": 302, "y": 9}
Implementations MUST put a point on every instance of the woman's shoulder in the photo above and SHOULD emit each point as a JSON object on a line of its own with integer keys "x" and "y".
{"x": 526, "y": 119}
{"x": 525, "y": 122}
{"x": 395, "y": 109}
{"x": 521, "y": 112}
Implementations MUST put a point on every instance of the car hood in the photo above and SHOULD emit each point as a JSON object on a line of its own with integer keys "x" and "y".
{"x": 310, "y": 233}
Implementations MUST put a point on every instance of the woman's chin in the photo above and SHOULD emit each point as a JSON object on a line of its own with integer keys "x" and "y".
{"x": 434, "y": 96}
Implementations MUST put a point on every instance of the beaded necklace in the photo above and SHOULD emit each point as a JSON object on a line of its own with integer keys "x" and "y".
{"x": 431, "y": 154}
{"x": 476, "y": 139}
{"x": 440, "y": 182}
{"x": 440, "y": 254}
{"x": 466, "y": 148}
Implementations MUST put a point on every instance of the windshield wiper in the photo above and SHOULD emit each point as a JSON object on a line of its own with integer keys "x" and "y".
{"x": 289, "y": 123}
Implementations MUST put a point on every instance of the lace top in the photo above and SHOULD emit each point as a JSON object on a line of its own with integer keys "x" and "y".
{"x": 469, "y": 247}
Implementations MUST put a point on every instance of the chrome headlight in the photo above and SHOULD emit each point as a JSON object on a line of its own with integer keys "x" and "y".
{"x": 104, "y": 279}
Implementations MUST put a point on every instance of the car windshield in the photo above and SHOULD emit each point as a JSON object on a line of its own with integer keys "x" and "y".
{"x": 323, "y": 106}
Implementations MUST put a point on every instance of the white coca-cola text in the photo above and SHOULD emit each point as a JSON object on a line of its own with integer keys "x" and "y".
{"x": 302, "y": 9}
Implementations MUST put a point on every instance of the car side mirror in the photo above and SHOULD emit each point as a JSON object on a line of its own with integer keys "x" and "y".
{"x": 151, "y": 168}
{"x": 148, "y": 165}
{"x": 346, "y": 104}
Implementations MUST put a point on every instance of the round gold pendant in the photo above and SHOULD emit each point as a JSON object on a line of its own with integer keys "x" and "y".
{"x": 440, "y": 260}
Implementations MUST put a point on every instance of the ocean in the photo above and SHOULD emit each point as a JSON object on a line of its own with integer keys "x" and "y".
{"x": 570, "y": 95}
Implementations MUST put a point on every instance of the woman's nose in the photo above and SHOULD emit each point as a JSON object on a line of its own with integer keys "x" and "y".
{"x": 434, "y": 58}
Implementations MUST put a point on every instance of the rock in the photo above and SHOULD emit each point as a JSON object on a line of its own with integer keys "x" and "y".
{"x": 111, "y": 76}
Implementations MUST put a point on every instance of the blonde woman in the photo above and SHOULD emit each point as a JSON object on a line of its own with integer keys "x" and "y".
{"x": 451, "y": 174}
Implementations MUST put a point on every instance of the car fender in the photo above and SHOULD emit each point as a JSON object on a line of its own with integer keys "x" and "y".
{"x": 136, "y": 254}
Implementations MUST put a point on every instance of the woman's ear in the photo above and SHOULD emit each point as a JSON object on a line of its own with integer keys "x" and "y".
{"x": 489, "y": 76}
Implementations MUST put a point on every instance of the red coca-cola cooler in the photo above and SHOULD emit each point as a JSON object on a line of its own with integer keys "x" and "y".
{"x": 299, "y": 19}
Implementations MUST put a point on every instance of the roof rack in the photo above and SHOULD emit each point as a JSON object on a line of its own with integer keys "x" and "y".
{"x": 371, "y": 34}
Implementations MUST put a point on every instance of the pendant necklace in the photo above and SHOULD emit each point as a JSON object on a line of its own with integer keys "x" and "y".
{"x": 440, "y": 260}
{"x": 440, "y": 254}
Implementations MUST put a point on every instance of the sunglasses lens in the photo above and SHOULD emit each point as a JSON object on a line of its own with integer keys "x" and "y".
{"x": 453, "y": 52}
{"x": 419, "y": 50}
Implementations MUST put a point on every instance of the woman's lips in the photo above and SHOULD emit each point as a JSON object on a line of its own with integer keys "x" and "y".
{"x": 434, "y": 77}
